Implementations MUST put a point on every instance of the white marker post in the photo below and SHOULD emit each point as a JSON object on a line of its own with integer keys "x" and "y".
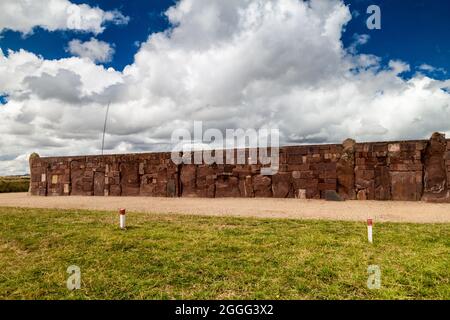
{"x": 122, "y": 218}
{"x": 369, "y": 230}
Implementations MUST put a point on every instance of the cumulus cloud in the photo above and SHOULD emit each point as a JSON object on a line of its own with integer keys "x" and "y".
{"x": 97, "y": 51}
{"x": 24, "y": 15}
{"x": 231, "y": 64}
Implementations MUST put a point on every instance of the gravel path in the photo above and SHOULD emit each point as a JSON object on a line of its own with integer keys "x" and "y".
{"x": 394, "y": 211}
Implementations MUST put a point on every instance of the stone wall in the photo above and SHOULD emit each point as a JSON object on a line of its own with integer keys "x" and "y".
{"x": 403, "y": 170}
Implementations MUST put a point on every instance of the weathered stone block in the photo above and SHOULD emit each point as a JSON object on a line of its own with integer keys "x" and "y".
{"x": 188, "y": 180}
{"x": 281, "y": 185}
{"x": 99, "y": 184}
{"x": 345, "y": 170}
{"x": 404, "y": 186}
{"x": 115, "y": 190}
{"x": 82, "y": 179}
{"x": 382, "y": 183}
{"x": 435, "y": 175}
{"x": 129, "y": 178}
{"x": 227, "y": 186}
{"x": 262, "y": 186}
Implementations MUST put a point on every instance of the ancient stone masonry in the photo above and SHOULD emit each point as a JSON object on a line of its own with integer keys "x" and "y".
{"x": 403, "y": 170}
{"x": 437, "y": 169}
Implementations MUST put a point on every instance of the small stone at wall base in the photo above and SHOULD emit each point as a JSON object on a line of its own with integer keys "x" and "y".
{"x": 433, "y": 199}
{"x": 301, "y": 194}
{"x": 362, "y": 195}
{"x": 331, "y": 195}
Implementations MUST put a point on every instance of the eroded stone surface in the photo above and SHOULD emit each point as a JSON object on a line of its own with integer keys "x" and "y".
{"x": 188, "y": 180}
{"x": 435, "y": 172}
{"x": 281, "y": 185}
{"x": 405, "y": 186}
{"x": 262, "y": 186}
{"x": 345, "y": 170}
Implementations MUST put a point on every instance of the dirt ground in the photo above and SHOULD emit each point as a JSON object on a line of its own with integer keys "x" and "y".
{"x": 394, "y": 211}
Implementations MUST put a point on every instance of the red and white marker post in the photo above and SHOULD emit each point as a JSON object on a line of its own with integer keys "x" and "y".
{"x": 369, "y": 230}
{"x": 122, "y": 218}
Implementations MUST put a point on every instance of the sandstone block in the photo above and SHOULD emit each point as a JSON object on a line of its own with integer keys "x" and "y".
{"x": 435, "y": 172}
{"x": 404, "y": 186}
{"x": 227, "y": 186}
{"x": 262, "y": 186}
{"x": 281, "y": 185}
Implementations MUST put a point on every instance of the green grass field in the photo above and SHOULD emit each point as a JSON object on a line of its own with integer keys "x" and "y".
{"x": 192, "y": 257}
{"x": 14, "y": 184}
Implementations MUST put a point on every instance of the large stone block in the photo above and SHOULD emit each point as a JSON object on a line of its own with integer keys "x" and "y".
{"x": 206, "y": 181}
{"x": 262, "y": 186}
{"x": 382, "y": 183}
{"x": 99, "y": 183}
{"x": 281, "y": 185}
{"x": 38, "y": 179}
{"x": 404, "y": 186}
{"x": 82, "y": 178}
{"x": 227, "y": 186}
{"x": 58, "y": 177}
{"x": 172, "y": 188}
{"x": 148, "y": 187}
{"x": 188, "y": 180}
{"x": 435, "y": 172}
{"x": 345, "y": 170}
{"x": 129, "y": 178}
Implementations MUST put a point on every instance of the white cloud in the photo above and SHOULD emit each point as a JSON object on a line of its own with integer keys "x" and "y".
{"x": 398, "y": 66}
{"x": 24, "y": 15}
{"x": 97, "y": 51}
{"x": 358, "y": 40}
{"x": 429, "y": 68}
{"x": 230, "y": 64}
{"x": 426, "y": 67}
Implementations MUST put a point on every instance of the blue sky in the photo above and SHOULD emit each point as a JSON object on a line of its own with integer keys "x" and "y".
{"x": 313, "y": 70}
{"x": 146, "y": 17}
{"x": 414, "y": 31}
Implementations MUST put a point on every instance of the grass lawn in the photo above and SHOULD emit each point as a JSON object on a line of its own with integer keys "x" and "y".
{"x": 193, "y": 257}
{"x": 14, "y": 184}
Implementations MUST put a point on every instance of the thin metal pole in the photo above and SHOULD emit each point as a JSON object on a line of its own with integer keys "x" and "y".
{"x": 104, "y": 127}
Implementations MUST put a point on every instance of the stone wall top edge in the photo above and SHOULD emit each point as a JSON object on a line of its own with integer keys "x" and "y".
{"x": 105, "y": 155}
{"x": 394, "y": 141}
{"x": 47, "y": 158}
